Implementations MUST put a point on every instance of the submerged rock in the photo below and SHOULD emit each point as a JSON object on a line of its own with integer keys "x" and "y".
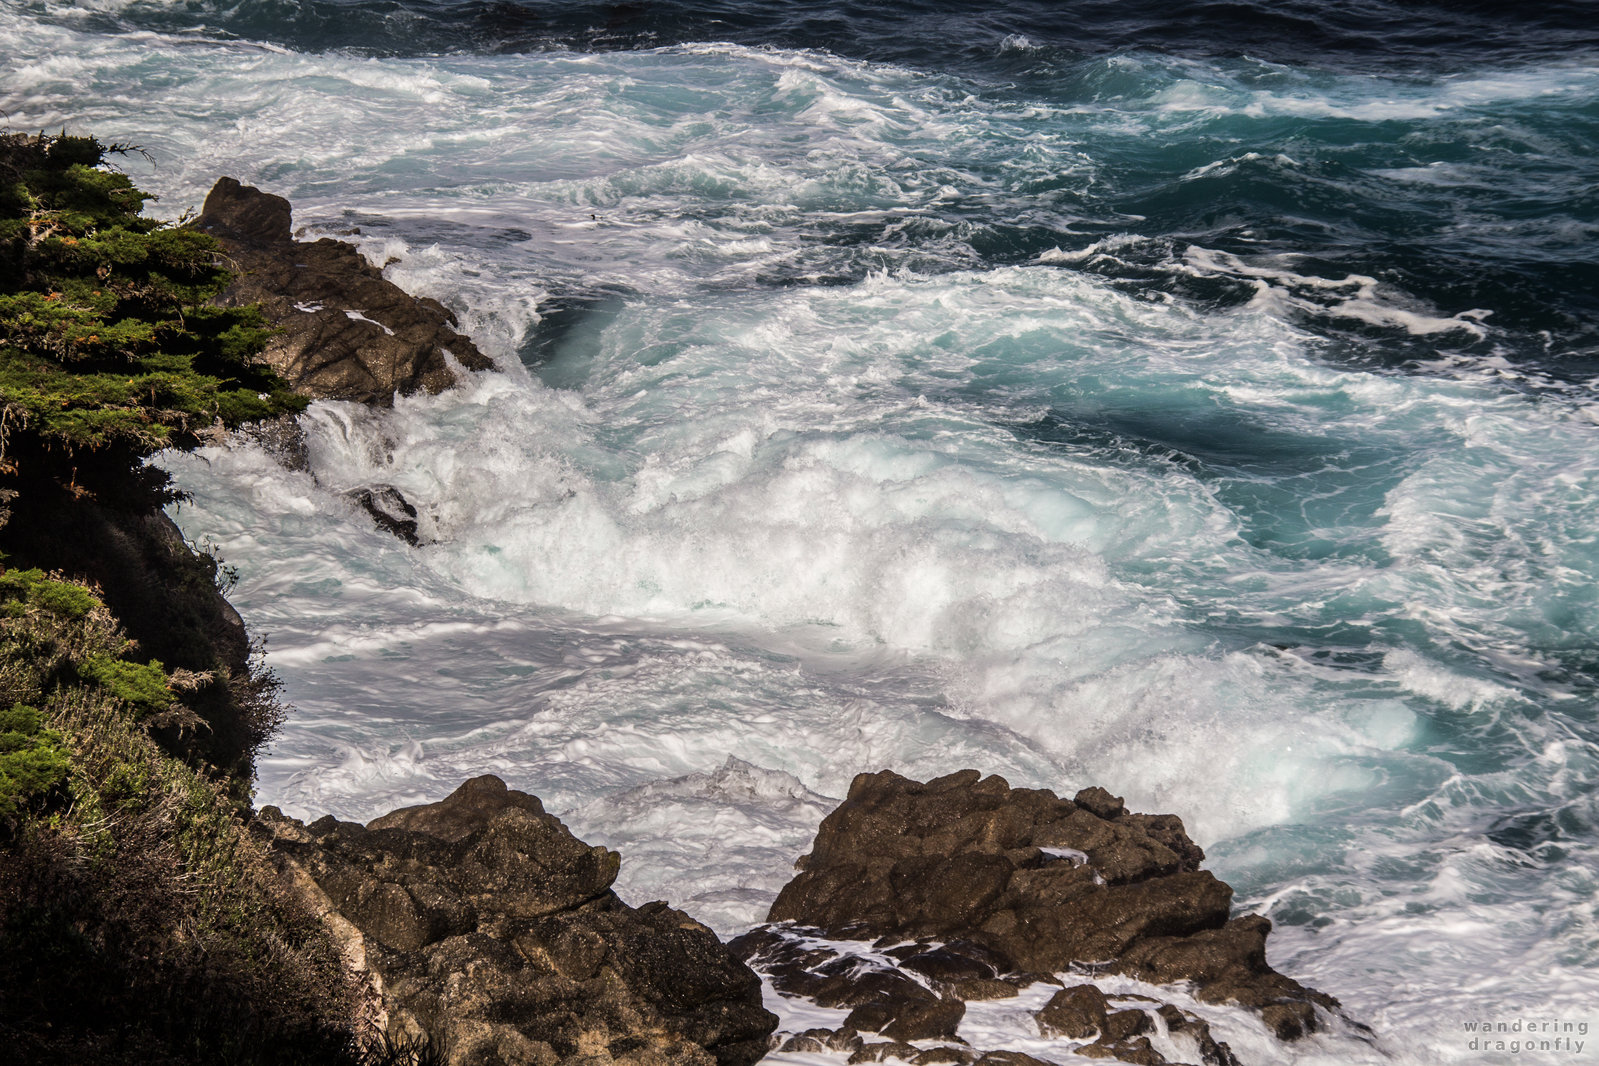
{"x": 348, "y": 334}
{"x": 485, "y": 926}
{"x": 985, "y": 887}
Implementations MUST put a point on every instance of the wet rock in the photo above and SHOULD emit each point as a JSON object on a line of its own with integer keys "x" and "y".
{"x": 347, "y": 333}
{"x": 482, "y": 923}
{"x": 1078, "y": 1012}
{"x": 810, "y": 1041}
{"x": 283, "y": 439}
{"x": 1039, "y": 882}
{"x": 950, "y": 963}
{"x": 883, "y": 1051}
{"x": 1010, "y": 1058}
{"x": 391, "y": 511}
{"x": 1229, "y": 965}
{"x": 820, "y": 1040}
{"x": 1083, "y": 1012}
{"x": 909, "y": 1017}
{"x": 1182, "y": 1024}
{"x": 1137, "y": 1050}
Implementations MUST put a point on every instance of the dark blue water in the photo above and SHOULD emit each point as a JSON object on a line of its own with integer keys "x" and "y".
{"x": 1362, "y": 34}
{"x": 1510, "y": 227}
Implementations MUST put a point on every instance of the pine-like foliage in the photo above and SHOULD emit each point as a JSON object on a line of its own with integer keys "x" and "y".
{"x": 109, "y": 350}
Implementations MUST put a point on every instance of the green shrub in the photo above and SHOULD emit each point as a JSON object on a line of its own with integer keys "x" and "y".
{"x": 33, "y": 759}
{"x": 22, "y": 589}
{"x": 109, "y": 349}
{"x": 144, "y": 687}
{"x": 139, "y": 921}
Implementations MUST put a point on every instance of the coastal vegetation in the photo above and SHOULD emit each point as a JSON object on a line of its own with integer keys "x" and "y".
{"x": 110, "y": 349}
{"x": 139, "y": 920}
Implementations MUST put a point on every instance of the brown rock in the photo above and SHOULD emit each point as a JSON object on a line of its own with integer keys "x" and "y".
{"x": 347, "y": 333}
{"x": 969, "y": 858}
{"x": 1078, "y": 1012}
{"x": 881, "y": 1052}
{"x": 462, "y": 812}
{"x": 487, "y": 926}
{"x": 1137, "y": 1050}
{"x": 804, "y": 1042}
{"x": 981, "y": 988}
{"x": 909, "y": 1019}
{"x": 1212, "y": 1052}
{"x": 1121, "y": 1025}
{"x": 1229, "y": 965}
{"x": 1010, "y": 1058}
{"x": 1100, "y": 803}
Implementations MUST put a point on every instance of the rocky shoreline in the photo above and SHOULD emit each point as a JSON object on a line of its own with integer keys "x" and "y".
{"x": 481, "y": 925}
{"x": 478, "y": 931}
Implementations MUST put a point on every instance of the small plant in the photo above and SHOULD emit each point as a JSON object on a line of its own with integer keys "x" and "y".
{"x": 144, "y": 687}
{"x": 24, "y": 589}
{"x": 402, "y": 1051}
{"x": 33, "y": 759}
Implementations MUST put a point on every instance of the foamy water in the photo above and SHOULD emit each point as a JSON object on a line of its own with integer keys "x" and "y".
{"x": 854, "y": 414}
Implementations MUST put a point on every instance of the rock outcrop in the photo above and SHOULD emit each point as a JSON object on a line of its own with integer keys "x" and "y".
{"x": 979, "y": 890}
{"x": 347, "y": 333}
{"x": 486, "y": 928}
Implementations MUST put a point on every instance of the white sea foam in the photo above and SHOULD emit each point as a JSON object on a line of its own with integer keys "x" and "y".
{"x": 1011, "y": 1024}
{"x": 738, "y": 541}
{"x": 924, "y": 595}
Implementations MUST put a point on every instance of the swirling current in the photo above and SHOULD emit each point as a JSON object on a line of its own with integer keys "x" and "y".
{"x": 1196, "y": 399}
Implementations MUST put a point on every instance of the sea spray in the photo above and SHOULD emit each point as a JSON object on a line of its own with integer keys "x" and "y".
{"x": 1210, "y": 421}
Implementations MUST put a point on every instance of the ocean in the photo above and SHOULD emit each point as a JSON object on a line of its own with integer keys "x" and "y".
{"x": 1196, "y": 399}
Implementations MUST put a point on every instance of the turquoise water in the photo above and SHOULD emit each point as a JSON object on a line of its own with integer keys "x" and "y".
{"x": 1211, "y": 422}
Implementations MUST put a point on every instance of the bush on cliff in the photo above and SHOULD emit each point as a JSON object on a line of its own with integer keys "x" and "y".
{"x": 109, "y": 350}
{"x": 139, "y": 922}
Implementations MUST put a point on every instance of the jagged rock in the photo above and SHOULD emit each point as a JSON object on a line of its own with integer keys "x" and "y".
{"x": 1039, "y": 882}
{"x": 883, "y": 1051}
{"x": 812, "y": 1040}
{"x": 391, "y": 511}
{"x": 485, "y": 925}
{"x": 1212, "y": 1052}
{"x": 1083, "y": 1012}
{"x": 819, "y": 1040}
{"x": 348, "y": 334}
{"x": 933, "y": 1056}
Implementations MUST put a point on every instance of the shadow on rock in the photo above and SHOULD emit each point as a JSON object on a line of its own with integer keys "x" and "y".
{"x": 485, "y": 927}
